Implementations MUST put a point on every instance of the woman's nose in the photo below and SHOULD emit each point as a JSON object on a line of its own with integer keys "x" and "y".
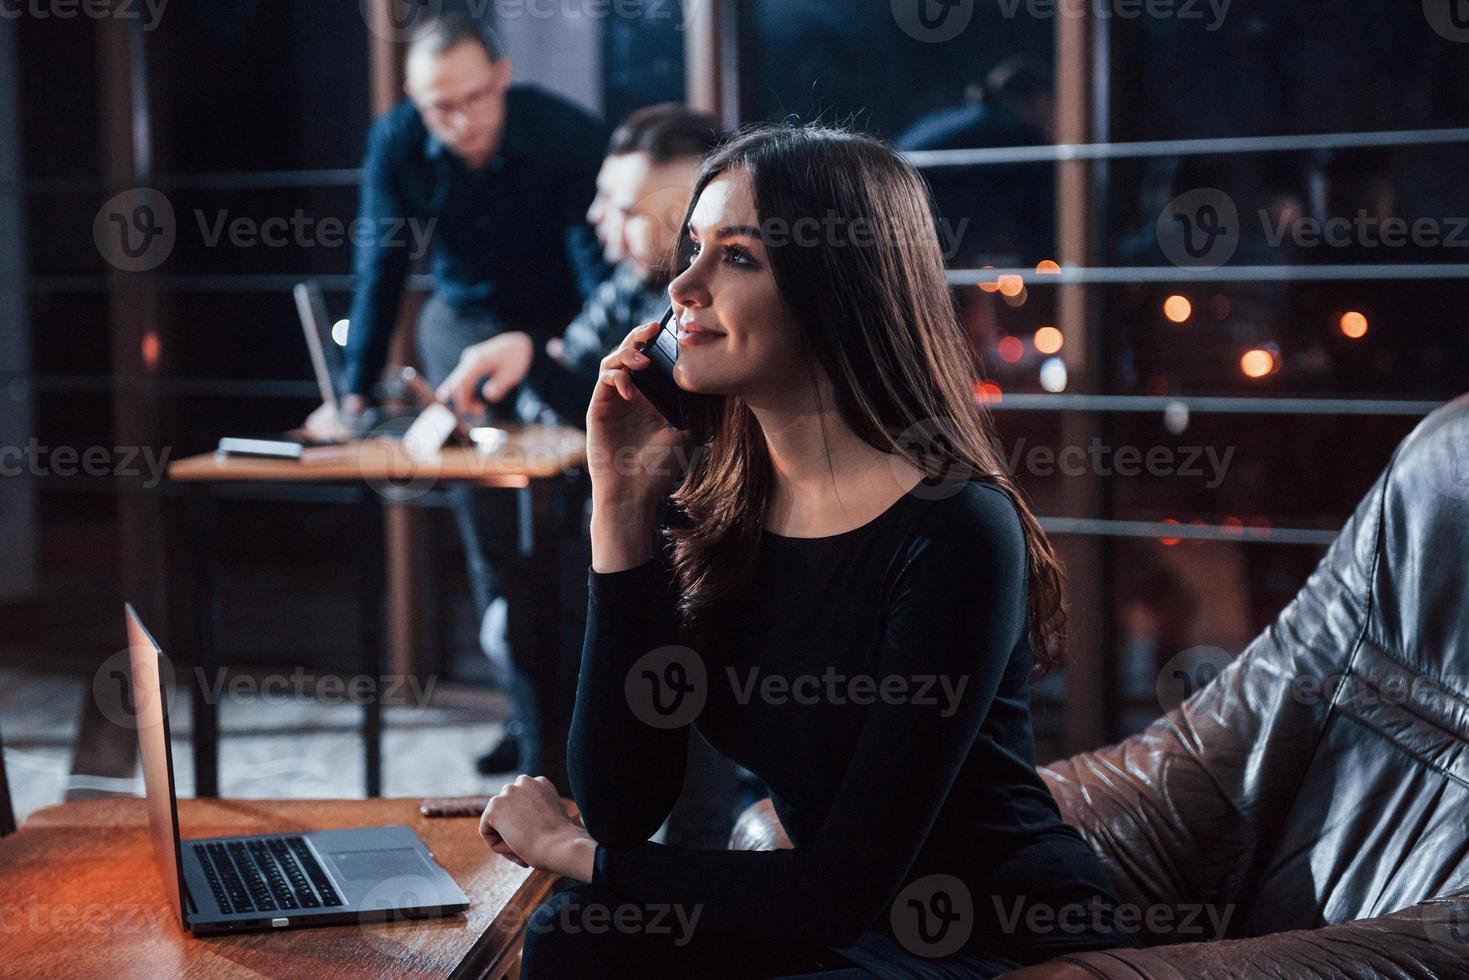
{"x": 688, "y": 289}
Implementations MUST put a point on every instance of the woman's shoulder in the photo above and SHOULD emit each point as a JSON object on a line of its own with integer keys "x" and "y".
{"x": 977, "y": 517}
{"x": 976, "y": 507}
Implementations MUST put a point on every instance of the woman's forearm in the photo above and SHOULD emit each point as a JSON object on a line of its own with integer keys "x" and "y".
{"x": 626, "y": 771}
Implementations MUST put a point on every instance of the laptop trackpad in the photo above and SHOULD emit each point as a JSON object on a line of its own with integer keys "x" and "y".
{"x": 378, "y": 865}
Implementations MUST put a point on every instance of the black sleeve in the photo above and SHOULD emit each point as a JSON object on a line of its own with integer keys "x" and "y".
{"x": 625, "y": 775}
{"x": 381, "y": 267}
{"x": 567, "y": 390}
{"x": 957, "y": 609}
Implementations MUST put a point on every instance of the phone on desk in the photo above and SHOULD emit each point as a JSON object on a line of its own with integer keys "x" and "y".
{"x": 656, "y": 380}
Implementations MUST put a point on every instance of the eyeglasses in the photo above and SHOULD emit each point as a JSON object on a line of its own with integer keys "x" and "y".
{"x": 471, "y": 103}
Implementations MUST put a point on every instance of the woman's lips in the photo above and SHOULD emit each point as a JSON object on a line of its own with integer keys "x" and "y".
{"x": 690, "y": 335}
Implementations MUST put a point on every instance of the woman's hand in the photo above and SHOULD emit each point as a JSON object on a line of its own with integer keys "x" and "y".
{"x": 527, "y": 823}
{"x": 633, "y": 456}
{"x": 630, "y": 446}
{"x": 487, "y": 371}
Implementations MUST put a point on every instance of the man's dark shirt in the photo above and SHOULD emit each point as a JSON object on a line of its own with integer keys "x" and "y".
{"x": 510, "y": 240}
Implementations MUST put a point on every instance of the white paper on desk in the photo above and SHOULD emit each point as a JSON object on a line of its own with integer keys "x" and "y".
{"x": 429, "y": 432}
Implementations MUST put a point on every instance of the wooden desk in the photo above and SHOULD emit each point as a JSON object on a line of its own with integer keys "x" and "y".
{"x": 369, "y": 473}
{"x": 530, "y": 452}
{"x": 80, "y": 896}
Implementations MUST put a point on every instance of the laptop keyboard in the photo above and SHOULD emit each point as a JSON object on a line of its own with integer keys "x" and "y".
{"x": 265, "y": 874}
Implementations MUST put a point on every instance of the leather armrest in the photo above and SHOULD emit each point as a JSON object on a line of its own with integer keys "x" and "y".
{"x": 1428, "y": 940}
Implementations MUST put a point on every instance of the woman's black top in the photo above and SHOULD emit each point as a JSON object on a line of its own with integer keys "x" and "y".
{"x": 877, "y": 681}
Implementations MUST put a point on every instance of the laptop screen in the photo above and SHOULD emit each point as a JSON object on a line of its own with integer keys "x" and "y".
{"x": 326, "y": 357}
{"x": 150, "y": 714}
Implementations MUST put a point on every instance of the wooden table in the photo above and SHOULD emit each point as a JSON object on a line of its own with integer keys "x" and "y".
{"x": 369, "y": 473}
{"x": 530, "y": 452}
{"x": 80, "y": 896}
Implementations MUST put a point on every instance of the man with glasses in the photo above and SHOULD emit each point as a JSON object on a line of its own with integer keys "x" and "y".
{"x": 503, "y": 175}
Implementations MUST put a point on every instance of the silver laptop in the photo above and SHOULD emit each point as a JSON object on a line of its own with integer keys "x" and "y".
{"x": 273, "y": 881}
{"x": 326, "y": 357}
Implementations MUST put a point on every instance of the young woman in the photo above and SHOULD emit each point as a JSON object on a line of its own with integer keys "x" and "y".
{"x": 846, "y": 594}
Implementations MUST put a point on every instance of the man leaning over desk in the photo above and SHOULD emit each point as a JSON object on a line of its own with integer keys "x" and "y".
{"x": 505, "y": 174}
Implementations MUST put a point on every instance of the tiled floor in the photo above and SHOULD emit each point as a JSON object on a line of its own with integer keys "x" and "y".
{"x": 269, "y": 747}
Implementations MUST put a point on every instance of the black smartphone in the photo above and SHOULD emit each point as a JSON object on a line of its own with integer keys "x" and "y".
{"x": 656, "y": 380}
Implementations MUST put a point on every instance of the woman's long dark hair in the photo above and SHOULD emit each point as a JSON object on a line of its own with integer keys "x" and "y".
{"x": 855, "y": 252}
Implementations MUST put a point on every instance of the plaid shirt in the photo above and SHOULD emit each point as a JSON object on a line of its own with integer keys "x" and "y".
{"x": 557, "y": 390}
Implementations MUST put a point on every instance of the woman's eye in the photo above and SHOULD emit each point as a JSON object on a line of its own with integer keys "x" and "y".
{"x": 734, "y": 255}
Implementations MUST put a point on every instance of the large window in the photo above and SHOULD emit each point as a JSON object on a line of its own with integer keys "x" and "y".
{"x": 1255, "y": 324}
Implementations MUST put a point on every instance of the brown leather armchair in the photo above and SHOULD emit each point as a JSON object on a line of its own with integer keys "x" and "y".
{"x": 1318, "y": 788}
